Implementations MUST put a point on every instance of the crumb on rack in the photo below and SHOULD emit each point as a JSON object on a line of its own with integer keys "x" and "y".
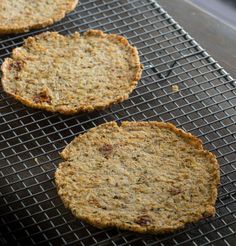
{"x": 175, "y": 88}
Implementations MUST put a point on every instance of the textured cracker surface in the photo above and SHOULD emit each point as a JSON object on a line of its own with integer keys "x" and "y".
{"x": 69, "y": 74}
{"x": 144, "y": 177}
{"x": 23, "y": 15}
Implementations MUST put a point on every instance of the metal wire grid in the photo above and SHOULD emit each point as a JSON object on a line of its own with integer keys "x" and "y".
{"x": 32, "y": 213}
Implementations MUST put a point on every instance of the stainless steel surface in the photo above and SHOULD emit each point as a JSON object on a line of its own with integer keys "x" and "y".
{"x": 208, "y": 28}
{"x": 224, "y": 10}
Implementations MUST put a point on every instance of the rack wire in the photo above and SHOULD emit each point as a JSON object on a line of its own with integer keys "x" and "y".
{"x": 30, "y": 140}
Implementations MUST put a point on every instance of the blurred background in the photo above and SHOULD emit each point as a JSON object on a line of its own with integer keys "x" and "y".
{"x": 212, "y": 23}
{"x": 222, "y": 9}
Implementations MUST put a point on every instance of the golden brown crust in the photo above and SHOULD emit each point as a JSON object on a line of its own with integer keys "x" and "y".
{"x": 20, "y": 26}
{"x": 33, "y": 43}
{"x": 142, "y": 224}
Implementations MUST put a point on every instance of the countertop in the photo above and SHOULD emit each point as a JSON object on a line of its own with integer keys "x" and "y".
{"x": 213, "y": 34}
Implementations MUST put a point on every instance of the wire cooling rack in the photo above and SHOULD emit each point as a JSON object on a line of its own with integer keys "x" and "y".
{"x": 30, "y": 209}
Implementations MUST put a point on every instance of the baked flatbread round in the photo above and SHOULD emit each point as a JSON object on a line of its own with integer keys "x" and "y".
{"x": 70, "y": 74}
{"x": 18, "y": 16}
{"x": 147, "y": 177}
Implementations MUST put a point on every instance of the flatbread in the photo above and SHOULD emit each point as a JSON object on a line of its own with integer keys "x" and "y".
{"x": 147, "y": 177}
{"x": 71, "y": 74}
{"x": 24, "y": 15}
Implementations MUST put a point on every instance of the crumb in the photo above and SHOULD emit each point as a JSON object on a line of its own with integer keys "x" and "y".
{"x": 175, "y": 88}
